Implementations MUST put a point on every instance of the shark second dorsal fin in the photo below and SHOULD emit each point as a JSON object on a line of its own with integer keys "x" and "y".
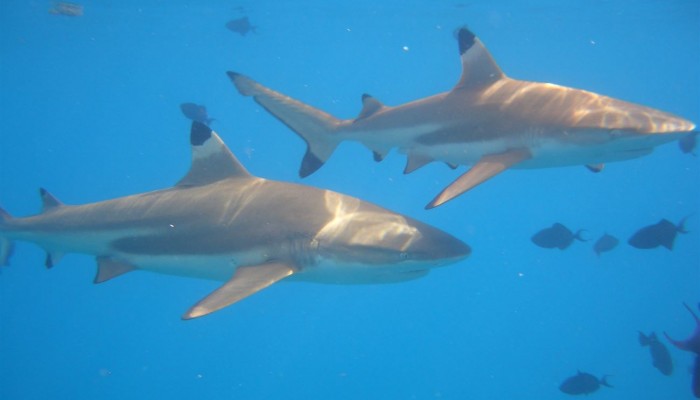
{"x": 478, "y": 67}
{"x": 245, "y": 281}
{"x": 370, "y": 106}
{"x": 48, "y": 201}
{"x": 211, "y": 160}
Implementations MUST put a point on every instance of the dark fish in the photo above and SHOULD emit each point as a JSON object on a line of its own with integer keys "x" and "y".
{"x": 605, "y": 243}
{"x": 663, "y": 233}
{"x": 582, "y": 383}
{"x": 660, "y": 357}
{"x": 688, "y": 142}
{"x": 692, "y": 344}
{"x": 557, "y": 236}
{"x": 195, "y": 112}
{"x": 68, "y": 9}
{"x": 241, "y": 25}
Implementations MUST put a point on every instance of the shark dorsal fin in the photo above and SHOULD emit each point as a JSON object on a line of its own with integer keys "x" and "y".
{"x": 212, "y": 161}
{"x": 48, "y": 201}
{"x": 370, "y": 106}
{"x": 478, "y": 67}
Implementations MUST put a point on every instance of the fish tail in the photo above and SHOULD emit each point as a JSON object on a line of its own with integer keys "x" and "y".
{"x": 604, "y": 381}
{"x": 579, "y": 235}
{"x": 681, "y": 225}
{"x": 316, "y": 127}
{"x": 6, "y": 246}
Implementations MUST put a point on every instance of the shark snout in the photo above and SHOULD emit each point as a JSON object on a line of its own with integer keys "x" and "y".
{"x": 438, "y": 247}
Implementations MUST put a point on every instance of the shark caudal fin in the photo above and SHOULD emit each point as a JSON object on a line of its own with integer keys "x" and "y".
{"x": 6, "y": 246}
{"x": 313, "y": 125}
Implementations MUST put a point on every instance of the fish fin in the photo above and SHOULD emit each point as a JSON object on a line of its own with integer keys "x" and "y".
{"x": 681, "y": 225}
{"x": 6, "y": 245}
{"x": 109, "y": 268}
{"x": 687, "y": 344}
{"x": 212, "y": 161}
{"x": 452, "y": 166}
{"x": 643, "y": 339}
{"x": 487, "y": 167}
{"x": 378, "y": 156}
{"x": 415, "y": 161}
{"x": 604, "y": 381}
{"x": 48, "y": 201}
{"x": 52, "y": 258}
{"x": 245, "y": 281}
{"x": 579, "y": 235}
{"x": 595, "y": 167}
{"x": 478, "y": 66}
{"x": 316, "y": 127}
{"x": 370, "y": 106}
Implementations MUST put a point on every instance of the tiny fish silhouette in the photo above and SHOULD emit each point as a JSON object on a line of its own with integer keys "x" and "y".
{"x": 67, "y": 9}
{"x": 583, "y": 383}
{"x": 605, "y": 243}
{"x": 660, "y": 357}
{"x": 557, "y": 236}
{"x": 692, "y": 344}
{"x": 687, "y": 143}
{"x": 195, "y": 112}
{"x": 241, "y": 26}
{"x": 663, "y": 233}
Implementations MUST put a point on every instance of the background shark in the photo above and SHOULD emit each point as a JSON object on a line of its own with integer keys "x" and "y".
{"x": 219, "y": 222}
{"x": 487, "y": 119}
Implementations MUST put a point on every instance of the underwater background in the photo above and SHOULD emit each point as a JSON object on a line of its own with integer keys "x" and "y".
{"x": 89, "y": 109}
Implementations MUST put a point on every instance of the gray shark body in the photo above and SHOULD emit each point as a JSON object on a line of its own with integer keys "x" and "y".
{"x": 487, "y": 120}
{"x": 221, "y": 223}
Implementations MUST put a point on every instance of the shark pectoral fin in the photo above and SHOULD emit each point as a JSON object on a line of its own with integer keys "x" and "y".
{"x": 486, "y": 168}
{"x": 595, "y": 167}
{"x": 415, "y": 161}
{"x": 245, "y": 281}
{"x": 108, "y": 268}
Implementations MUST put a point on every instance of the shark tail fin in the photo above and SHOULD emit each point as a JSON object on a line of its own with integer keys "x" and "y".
{"x": 681, "y": 225}
{"x": 604, "y": 381}
{"x": 316, "y": 127}
{"x": 6, "y": 246}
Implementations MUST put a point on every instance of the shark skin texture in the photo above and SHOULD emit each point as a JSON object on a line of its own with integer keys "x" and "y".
{"x": 488, "y": 120}
{"x": 219, "y": 222}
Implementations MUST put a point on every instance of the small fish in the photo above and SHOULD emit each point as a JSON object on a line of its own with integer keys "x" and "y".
{"x": 195, "y": 112}
{"x": 604, "y": 244}
{"x": 557, "y": 236}
{"x": 241, "y": 26}
{"x": 583, "y": 383}
{"x": 688, "y": 143}
{"x": 67, "y": 9}
{"x": 663, "y": 233}
{"x": 660, "y": 357}
{"x": 692, "y": 344}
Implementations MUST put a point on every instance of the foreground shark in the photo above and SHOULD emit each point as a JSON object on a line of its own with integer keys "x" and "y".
{"x": 487, "y": 119}
{"x": 219, "y": 222}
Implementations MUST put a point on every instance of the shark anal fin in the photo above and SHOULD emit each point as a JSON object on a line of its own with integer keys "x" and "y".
{"x": 245, "y": 281}
{"x": 211, "y": 160}
{"x": 52, "y": 258}
{"x": 108, "y": 268}
{"x": 488, "y": 167}
{"x": 595, "y": 167}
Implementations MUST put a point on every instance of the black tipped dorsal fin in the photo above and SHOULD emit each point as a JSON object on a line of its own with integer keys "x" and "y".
{"x": 211, "y": 160}
{"x": 478, "y": 67}
{"x": 370, "y": 105}
{"x": 48, "y": 201}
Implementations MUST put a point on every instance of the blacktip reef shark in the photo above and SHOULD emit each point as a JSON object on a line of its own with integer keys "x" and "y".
{"x": 487, "y": 120}
{"x": 219, "y": 222}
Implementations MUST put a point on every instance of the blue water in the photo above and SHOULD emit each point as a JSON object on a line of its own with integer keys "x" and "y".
{"x": 89, "y": 109}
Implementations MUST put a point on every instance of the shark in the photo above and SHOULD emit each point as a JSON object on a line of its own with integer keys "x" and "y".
{"x": 221, "y": 223}
{"x": 487, "y": 121}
